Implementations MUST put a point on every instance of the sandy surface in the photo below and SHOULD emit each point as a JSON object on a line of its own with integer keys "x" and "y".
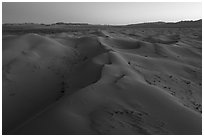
{"x": 113, "y": 81}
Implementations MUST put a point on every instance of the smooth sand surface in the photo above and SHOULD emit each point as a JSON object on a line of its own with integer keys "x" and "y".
{"x": 114, "y": 81}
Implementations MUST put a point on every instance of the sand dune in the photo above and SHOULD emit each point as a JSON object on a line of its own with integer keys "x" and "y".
{"x": 114, "y": 81}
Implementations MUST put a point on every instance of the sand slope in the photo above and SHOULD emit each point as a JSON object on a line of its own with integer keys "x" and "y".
{"x": 119, "y": 81}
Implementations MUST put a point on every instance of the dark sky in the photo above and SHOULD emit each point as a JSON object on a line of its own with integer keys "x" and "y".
{"x": 99, "y": 13}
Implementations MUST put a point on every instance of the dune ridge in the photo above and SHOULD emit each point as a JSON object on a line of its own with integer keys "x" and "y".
{"x": 115, "y": 81}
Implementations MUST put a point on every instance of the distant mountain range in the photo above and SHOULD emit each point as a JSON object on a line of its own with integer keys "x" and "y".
{"x": 180, "y": 24}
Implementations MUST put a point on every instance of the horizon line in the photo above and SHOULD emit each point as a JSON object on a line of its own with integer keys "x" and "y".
{"x": 85, "y": 23}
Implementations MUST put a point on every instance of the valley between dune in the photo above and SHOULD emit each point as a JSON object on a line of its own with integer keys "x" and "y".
{"x": 105, "y": 81}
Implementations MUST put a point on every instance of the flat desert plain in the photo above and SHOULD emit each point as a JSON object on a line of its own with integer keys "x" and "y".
{"x": 115, "y": 80}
